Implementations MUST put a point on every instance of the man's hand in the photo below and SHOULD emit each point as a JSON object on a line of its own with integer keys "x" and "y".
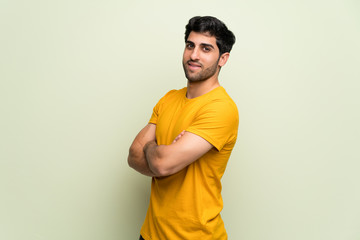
{"x": 166, "y": 160}
{"x": 179, "y": 136}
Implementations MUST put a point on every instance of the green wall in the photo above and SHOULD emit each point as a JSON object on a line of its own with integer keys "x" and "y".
{"x": 79, "y": 79}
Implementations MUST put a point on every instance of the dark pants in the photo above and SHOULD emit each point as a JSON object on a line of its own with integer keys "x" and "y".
{"x": 141, "y": 238}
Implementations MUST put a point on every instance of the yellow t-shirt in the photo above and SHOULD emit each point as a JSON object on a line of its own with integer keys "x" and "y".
{"x": 187, "y": 204}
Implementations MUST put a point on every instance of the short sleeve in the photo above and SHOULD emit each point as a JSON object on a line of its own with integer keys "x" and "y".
{"x": 217, "y": 122}
{"x": 157, "y": 109}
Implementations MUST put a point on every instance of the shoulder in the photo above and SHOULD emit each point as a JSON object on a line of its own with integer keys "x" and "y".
{"x": 216, "y": 119}
{"x": 174, "y": 93}
{"x": 222, "y": 102}
{"x": 217, "y": 107}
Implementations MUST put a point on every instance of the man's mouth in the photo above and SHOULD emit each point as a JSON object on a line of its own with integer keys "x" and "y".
{"x": 193, "y": 65}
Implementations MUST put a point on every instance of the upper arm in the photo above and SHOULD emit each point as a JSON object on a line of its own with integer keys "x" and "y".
{"x": 174, "y": 157}
{"x": 217, "y": 123}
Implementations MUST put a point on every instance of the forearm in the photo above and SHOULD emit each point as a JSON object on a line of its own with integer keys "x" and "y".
{"x": 165, "y": 160}
{"x": 160, "y": 158}
{"x": 137, "y": 160}
{"x": 151, "y": 154}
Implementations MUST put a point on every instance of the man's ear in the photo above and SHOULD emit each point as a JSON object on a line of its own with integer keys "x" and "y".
{"x": 223, "y": 59}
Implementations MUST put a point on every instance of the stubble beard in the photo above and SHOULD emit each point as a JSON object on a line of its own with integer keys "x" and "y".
{"x": 203, "y": 75}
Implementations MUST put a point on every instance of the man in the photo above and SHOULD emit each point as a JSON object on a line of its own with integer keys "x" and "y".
{"x": 188, "y": 141}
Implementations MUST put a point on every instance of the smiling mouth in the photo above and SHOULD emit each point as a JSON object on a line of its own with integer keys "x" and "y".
{"x": 193, "y": 65}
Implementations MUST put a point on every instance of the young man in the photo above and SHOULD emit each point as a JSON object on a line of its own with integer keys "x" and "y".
{"x": 188, "y": 141}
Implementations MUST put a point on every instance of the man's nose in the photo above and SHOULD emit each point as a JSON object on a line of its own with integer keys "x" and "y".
{"x": 195, "y": 54}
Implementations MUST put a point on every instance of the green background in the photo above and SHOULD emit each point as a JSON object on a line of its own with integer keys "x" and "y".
{"x": 79, "y": 79}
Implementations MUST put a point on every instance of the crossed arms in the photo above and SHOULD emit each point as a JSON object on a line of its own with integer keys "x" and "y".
{"x": 150, "y": 159}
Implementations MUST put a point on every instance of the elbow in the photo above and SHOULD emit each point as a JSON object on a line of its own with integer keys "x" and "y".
{"x": 160, "y": 172}
{"x": 130, "y": 163}
{"x": 132, "y": 156}
{"x": 158, "y": 167}
{"x": 162, "y": 163}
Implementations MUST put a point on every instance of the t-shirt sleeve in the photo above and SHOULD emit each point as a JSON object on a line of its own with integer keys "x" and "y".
{"x": 155, "y": 114}
{"x": 216, "y": 122}
{"x": 157, "y": 109}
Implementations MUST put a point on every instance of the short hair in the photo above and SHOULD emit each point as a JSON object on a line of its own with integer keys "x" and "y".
{"x": 225, "y": 39}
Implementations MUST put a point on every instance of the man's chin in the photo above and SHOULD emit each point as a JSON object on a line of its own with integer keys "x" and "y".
{"x": 193, "y": 80}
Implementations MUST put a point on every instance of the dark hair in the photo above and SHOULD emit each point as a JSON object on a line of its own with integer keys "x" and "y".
{"x": 225, "y": 39}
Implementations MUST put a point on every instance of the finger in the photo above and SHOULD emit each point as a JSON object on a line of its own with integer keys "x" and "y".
{"x": 179, "y": 136}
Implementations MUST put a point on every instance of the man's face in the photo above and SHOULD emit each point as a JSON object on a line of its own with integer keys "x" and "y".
{"x": 201, "y": 57}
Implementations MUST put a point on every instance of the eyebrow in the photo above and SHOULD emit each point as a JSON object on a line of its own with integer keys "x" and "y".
{"x": 202, "y": 44}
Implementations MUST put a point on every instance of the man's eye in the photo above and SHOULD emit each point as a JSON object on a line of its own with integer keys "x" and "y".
{"x": 206, "y": 49}
{"x": 189, "y": 46}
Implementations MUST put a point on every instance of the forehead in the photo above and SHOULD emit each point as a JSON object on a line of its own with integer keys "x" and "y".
{"x": 202, "y": 38}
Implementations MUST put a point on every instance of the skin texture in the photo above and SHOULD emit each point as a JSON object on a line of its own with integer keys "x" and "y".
{"x": 201, "y": 63}
{"x": 136, "y": 158}
{"x": 165, "y": 160}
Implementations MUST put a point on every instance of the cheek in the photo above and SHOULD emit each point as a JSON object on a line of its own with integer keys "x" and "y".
{"x": 209, "y": 61}
{"x": 186, "y": 54}
{"x": 215, "y": 59}
{"x": 186, "y": 57}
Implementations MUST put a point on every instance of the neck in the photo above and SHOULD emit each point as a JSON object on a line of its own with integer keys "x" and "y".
{"x": 196, "y": 89}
